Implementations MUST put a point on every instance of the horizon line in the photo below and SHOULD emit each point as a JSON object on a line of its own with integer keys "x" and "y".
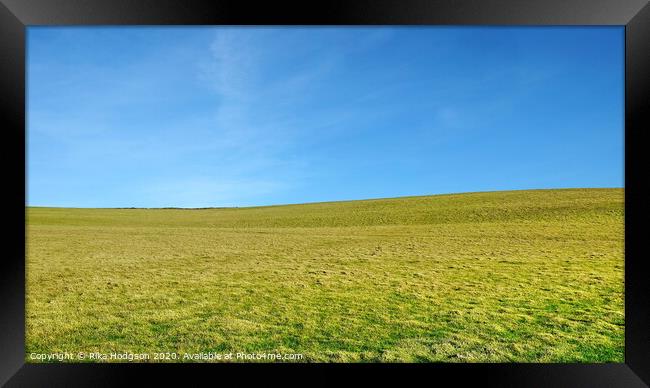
{"x": 318, "y": 202}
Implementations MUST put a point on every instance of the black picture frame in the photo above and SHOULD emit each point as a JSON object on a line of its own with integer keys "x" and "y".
{"x": 16, "y": 15}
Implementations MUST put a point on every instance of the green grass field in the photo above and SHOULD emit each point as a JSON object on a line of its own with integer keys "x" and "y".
{"x": 519, "y": 276}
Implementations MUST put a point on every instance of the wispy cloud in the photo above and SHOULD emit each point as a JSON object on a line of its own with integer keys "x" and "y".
{"x": 206, "y": 192}
{"x": 259, "y": 119}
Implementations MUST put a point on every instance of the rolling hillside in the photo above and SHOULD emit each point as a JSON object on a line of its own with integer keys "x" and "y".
{"x": 524, "y": 276}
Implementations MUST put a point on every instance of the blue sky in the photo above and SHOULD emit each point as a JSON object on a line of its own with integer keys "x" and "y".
{"x": 241, "y": 116}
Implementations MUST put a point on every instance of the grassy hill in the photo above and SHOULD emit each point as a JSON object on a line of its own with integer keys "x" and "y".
{"x": 495, "y": 277}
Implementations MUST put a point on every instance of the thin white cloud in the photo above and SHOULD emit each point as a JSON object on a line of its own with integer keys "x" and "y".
{"x": 206, "y": 192}
{"x": 232, "y": 63}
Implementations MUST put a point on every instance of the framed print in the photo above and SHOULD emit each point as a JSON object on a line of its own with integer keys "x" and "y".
{"x": 441, "y": 189}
